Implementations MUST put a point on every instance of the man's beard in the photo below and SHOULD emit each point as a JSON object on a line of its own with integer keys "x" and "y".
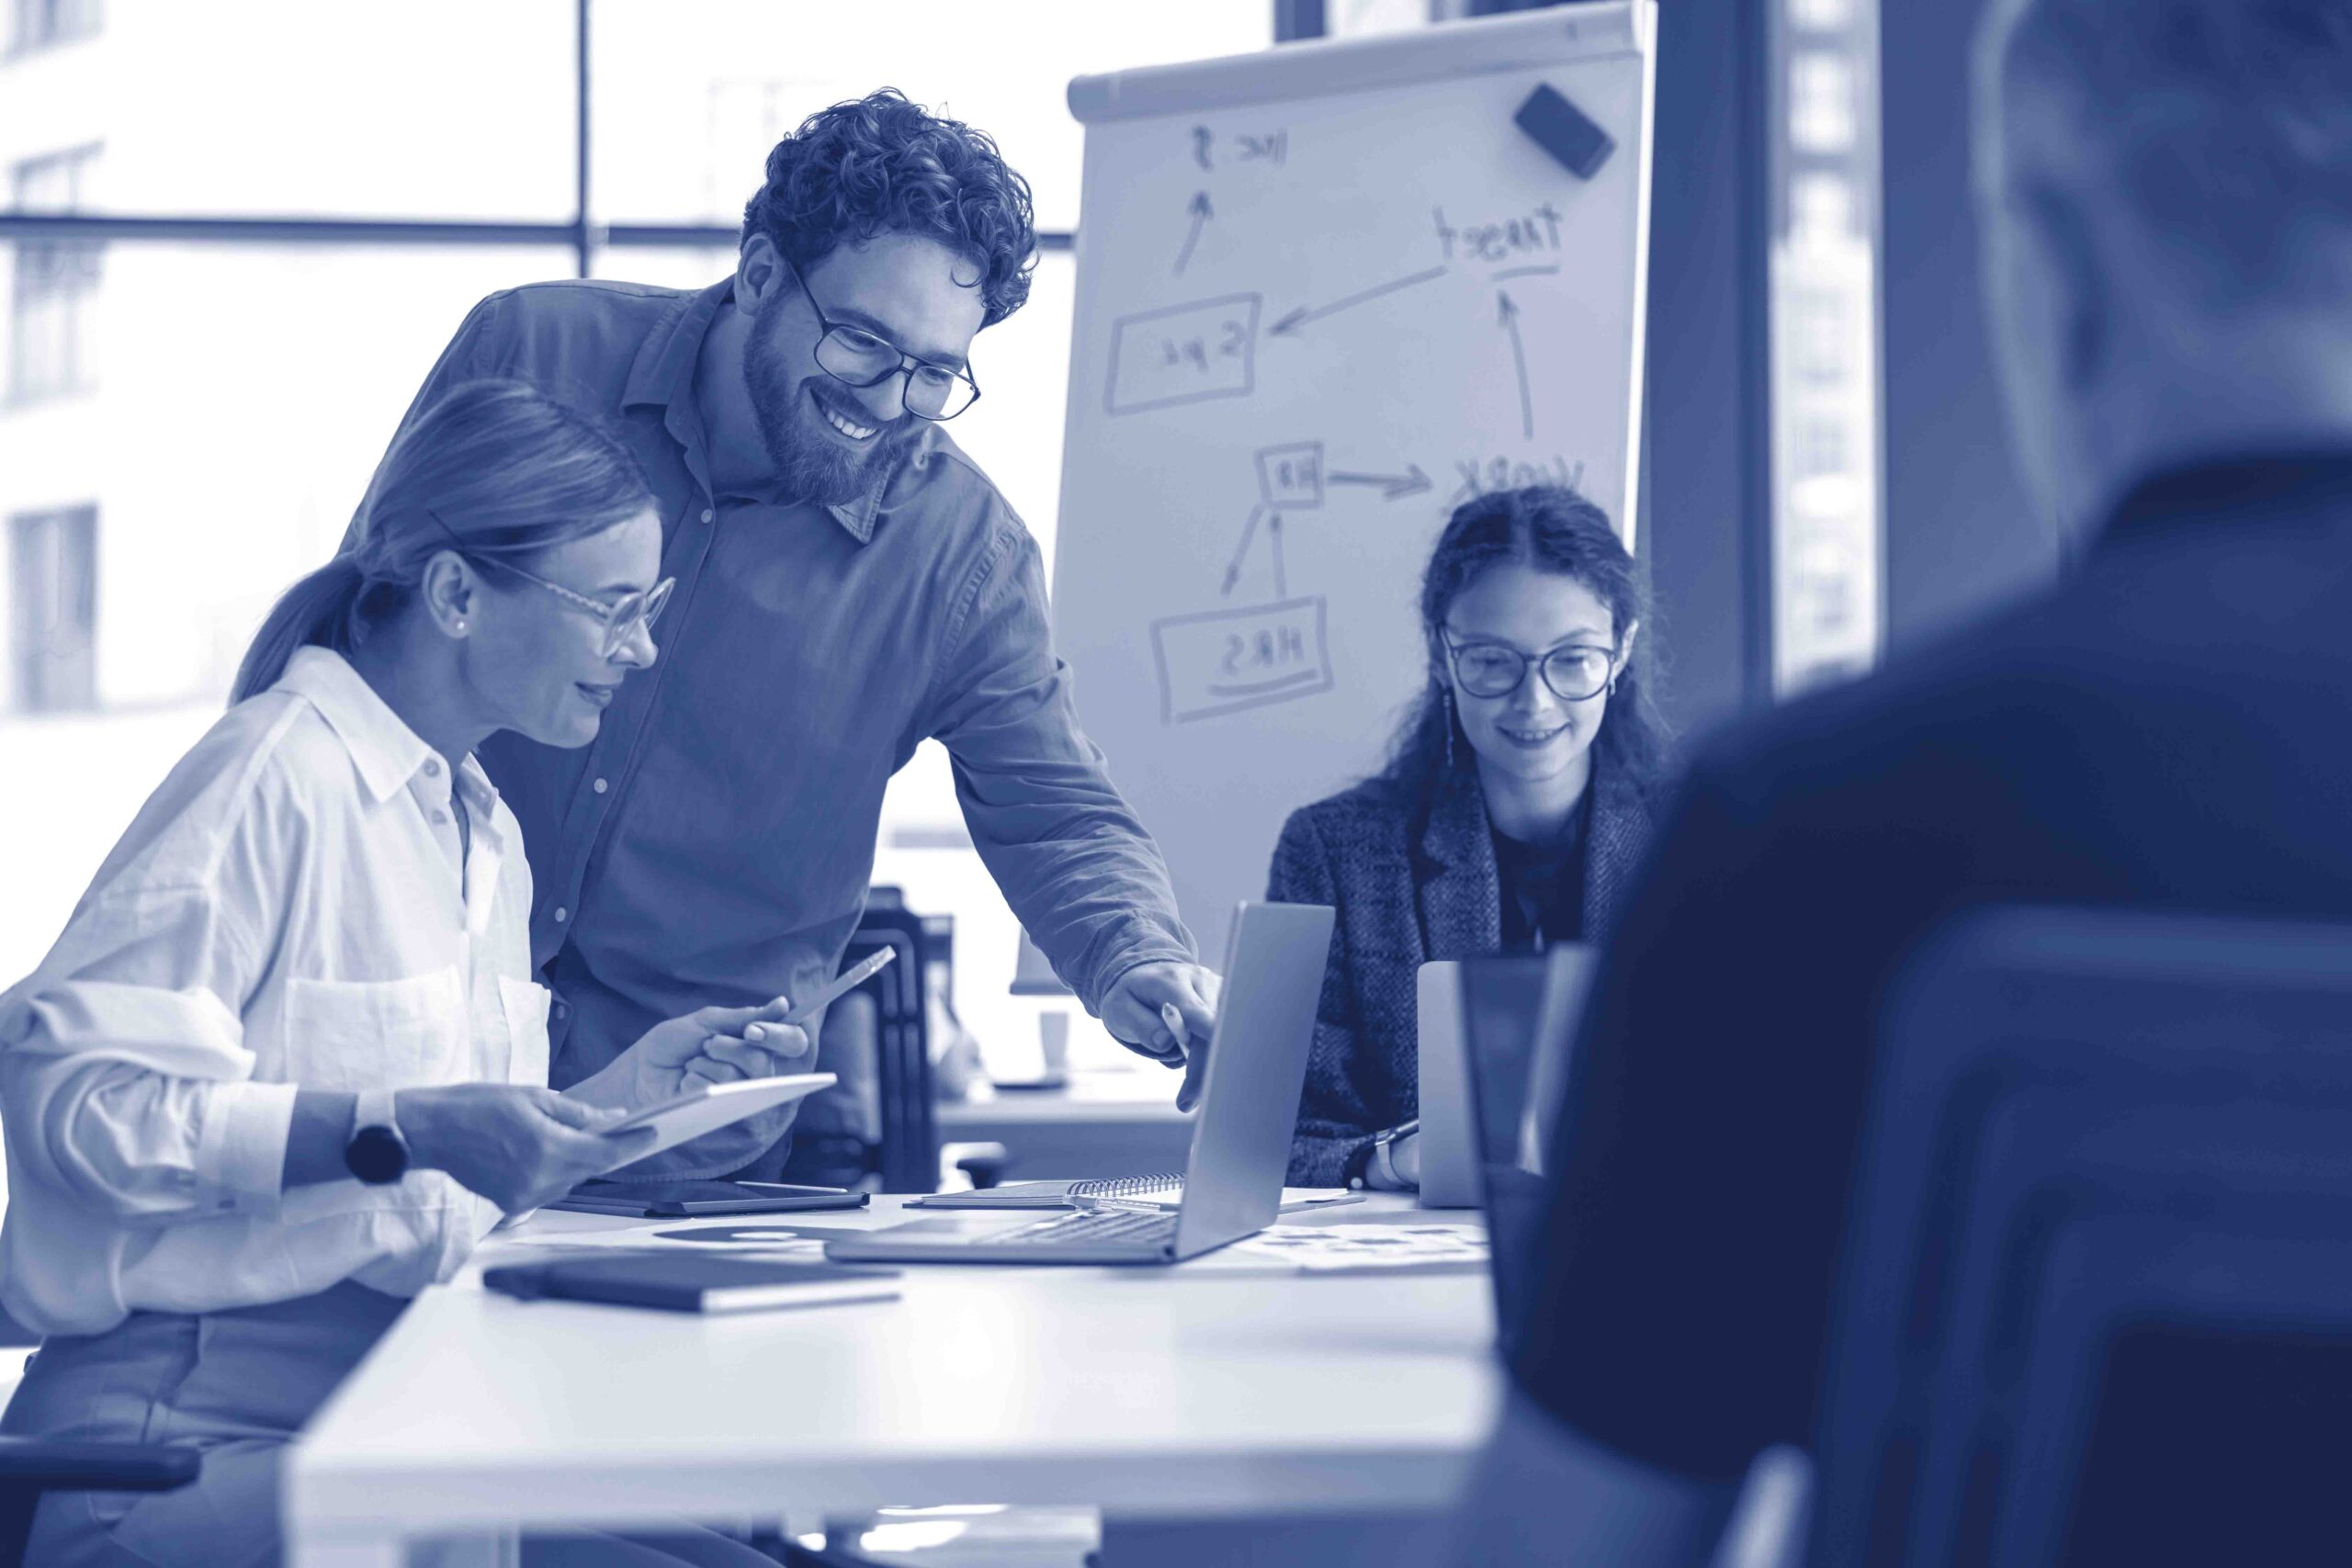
{"x": 810, "y": 466}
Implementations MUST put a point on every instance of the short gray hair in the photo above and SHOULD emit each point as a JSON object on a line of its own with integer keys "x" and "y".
{"x": 2224, "y": 127}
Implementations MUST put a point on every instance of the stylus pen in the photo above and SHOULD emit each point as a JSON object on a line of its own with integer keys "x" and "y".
{"x": 847, "y": 980}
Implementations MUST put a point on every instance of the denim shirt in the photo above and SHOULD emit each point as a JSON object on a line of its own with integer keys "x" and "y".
{"x": 714, "y": 843}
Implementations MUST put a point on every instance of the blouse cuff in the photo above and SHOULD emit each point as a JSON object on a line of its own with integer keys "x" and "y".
{"x": 240, "y": 1145}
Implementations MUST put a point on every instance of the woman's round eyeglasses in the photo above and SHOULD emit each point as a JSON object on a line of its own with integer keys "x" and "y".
{"x": 857, "y": 357}
{"x": 622, "y": 619}
{"x": 1574, "y": 673}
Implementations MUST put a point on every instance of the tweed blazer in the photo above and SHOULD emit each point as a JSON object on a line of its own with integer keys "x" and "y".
{"x": 1408, "y": 886}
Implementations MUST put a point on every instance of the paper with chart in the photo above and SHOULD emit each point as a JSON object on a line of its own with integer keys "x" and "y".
{"x": 1343, "y": 292}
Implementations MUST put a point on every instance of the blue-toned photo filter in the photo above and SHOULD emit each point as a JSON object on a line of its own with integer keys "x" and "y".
{"x": 1565, "y": 131}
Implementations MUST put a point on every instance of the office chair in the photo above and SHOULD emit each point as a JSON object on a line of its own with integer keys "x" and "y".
{"x": 2167, "y": 1099}
{"x": 893, "y": 1140}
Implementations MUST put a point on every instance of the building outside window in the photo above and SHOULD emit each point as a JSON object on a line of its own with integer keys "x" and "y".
{"x": 52, "y": 296}
{"x": 54, "y": 609}
{"x": 39, "y": 24}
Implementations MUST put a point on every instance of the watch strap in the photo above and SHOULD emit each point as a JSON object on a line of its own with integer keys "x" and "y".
{"x": 374, "y": 1107}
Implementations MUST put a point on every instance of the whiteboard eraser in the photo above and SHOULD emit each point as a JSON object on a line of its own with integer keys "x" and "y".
{"x": 1565, "y": 131}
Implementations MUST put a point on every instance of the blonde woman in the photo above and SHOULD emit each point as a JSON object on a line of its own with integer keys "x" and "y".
{"x": 288, "y": 1062}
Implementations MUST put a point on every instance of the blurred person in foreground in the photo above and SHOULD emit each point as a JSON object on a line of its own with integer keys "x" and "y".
{"x": 850, "y": 584}
{"x": 2167, "y": 218}
{"x": 286, "y": 1065}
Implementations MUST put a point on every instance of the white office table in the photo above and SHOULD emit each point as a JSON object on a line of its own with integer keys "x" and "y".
{"x": 1205, "y": 1391}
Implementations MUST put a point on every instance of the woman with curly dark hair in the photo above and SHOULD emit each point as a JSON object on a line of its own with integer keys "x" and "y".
{"x": 1514, "y": 803}
{"x": 850, "y": 584}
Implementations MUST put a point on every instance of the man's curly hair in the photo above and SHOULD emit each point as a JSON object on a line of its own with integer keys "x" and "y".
{"x": 881, "y": 164}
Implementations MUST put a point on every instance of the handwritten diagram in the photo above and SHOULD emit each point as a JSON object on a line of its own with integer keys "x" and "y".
{"x": 1235, "y": 657}
{"x": 1184, "y": 354}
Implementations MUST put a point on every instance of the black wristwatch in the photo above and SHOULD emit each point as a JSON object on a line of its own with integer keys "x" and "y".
{"x": 377, "y": 1153}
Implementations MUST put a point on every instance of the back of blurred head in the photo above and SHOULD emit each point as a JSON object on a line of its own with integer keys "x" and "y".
{"x": 2166, "y": 196}
{"x": 497, "y": 465}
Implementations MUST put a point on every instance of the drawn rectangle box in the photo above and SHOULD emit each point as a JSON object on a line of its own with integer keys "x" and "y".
{"x": 1292, "y": 477}
{"x": 1218, "y": 661}
{"x": 1185, "y": 354}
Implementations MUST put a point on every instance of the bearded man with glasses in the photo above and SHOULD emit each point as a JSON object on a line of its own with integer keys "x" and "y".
{"x": 847, "y": 584}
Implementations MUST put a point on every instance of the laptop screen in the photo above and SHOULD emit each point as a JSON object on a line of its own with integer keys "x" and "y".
{"x": 1519, "y": 1019}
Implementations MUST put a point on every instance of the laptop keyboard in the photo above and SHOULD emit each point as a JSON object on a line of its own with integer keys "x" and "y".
{"x": 1091, "y": 1230}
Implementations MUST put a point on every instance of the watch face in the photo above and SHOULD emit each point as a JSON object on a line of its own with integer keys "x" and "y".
{"x": 376, "y": 1156}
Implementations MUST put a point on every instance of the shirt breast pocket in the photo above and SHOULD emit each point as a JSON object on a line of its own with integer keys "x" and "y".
{"x": 525, "y": 1006}
{"x": 363, "y": 1034}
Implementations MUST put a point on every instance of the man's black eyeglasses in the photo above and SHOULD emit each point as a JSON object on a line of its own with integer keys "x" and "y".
{"x": 857, "y": 357}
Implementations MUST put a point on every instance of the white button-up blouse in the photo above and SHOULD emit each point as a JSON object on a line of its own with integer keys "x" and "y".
{"x": 290, "y": 908}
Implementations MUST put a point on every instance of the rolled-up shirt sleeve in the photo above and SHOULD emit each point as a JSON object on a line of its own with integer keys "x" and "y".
{"x": 124, "y": 1074}
{"x": 1065, "y": 848}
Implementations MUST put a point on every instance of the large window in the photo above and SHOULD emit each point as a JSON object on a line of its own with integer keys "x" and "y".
{"x": 299, "y": 203}
{"x": 1827, "y": 580}
{"x": 53, "y": 296}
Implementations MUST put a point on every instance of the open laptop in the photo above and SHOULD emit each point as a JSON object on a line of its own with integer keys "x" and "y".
{"x": 1520, "y": 1022}
{"x": 1449, "y": 1137}
{"x": 1233, "y": 1178}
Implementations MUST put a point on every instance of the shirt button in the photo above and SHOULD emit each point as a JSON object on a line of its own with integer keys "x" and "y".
{"x": 440, "y": 817}
{"x": 562, "y": 915}
{"x": 431, "y": 768}
{"x": 602, "y": 786}
{"x": 561, "y": 1009}
{"x": 706, "y": 514}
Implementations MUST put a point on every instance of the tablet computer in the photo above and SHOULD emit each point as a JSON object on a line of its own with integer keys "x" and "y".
{"x": 712, "y": 1107}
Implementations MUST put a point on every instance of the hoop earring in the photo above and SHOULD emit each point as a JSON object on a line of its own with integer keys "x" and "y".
{"x": 1449, "y": 731}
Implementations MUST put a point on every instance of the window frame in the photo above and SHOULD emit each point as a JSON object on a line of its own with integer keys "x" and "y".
{"x": 582, "y": 232}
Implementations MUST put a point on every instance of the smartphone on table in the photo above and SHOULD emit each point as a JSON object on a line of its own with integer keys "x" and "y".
{"x": 679, "y": 1200}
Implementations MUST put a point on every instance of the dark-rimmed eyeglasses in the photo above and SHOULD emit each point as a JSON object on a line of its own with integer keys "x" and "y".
{"x": 622, "y": 619}
{"x": 859, "y": 358}
{"x": 1574, "y": 673}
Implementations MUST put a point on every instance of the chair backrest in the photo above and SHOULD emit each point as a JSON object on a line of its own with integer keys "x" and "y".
{"x": 876, "y": 1127}
{"x": 2156, "y": 1093}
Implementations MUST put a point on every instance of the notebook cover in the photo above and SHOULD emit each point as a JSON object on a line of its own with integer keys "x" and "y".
{"x": 689, "y": 1281}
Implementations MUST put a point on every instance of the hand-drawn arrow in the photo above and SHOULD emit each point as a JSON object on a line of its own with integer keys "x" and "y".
{"x": 1393, "y": 487}
{"x": 1507, "y": 316}
{"x": 1275, "y": 528}
{"x": 1233, "y": 566}
{"x": 1201, "y": 214}
{"x": 1296, "y": 319}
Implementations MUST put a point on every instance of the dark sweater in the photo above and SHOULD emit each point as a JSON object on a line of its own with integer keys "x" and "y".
{"x": 1410, "y": 885}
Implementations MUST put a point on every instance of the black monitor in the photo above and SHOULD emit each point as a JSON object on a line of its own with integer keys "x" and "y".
{"x": 1519, "y": 1019}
